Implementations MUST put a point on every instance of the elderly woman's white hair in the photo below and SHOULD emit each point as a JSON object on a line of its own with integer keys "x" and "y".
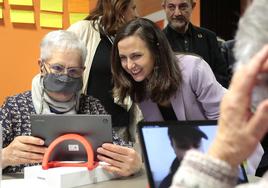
{"x": 61, "y": 40}
{"x": 252, "y": 32}
{"x": 251, "y": 36}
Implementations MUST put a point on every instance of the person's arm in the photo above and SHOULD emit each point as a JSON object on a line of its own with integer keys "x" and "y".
{"x": 206, "y": 88}
{"x": 23, "y": 150}
{"x": 239, "y": 129}
{"x": 17, "y": 149}
{"x": 203, "y": 171}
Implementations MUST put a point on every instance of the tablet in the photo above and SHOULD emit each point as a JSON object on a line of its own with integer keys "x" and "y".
{"x": 159, "y": 156}
{"x": 97, "y": 129}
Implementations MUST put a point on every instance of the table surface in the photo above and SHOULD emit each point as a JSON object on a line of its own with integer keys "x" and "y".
{"x": 137, "y": 180}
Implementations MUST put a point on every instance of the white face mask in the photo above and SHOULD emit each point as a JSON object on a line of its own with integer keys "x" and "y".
{"x": 260, "y": 91}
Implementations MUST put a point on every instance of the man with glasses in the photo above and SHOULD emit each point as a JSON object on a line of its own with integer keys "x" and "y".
{"x": 183, "y": 36}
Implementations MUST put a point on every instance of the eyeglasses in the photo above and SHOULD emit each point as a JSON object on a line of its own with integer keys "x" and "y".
{"x": 74, "y": 72}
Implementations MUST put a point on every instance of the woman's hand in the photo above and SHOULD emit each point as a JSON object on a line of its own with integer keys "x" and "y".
{"x": 239, "y": 130}
{"x": 22, "y": 150}
{"x": 123, "y": 161}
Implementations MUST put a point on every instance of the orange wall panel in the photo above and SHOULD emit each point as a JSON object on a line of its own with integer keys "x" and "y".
{"x": 19, "y": 52}
{"x": 196, "y": 14}
{"x": 92, "y": 4}
{"x": 146, "y": 7}
{"x": 78, "y": 6}
{"x": 19, "y": 44}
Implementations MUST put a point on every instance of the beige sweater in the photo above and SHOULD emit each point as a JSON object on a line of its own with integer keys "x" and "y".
{"x": 199, "y": 170}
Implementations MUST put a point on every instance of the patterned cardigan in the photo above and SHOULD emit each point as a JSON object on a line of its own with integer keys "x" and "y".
{"x": 15, "y": 120}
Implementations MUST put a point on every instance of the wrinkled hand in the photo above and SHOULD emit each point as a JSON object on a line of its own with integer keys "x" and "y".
{"x": 22, "y": 150}
{"x": 123, "y": 161}
{"x": 239, "y": 130}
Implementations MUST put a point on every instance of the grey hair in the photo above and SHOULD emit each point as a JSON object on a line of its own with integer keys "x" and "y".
{"x": 252, "y": 32}
{"x": 61, "y": 40}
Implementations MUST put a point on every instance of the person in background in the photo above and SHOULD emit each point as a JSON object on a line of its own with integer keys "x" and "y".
{"x": 97, "y": 31}
{"x": 182, "y": 139}
{"x": 55, "y": 90}
{"x": 165, "y": 86}
{"x": 243, "y": 120}
{"x": 183, "y": 36}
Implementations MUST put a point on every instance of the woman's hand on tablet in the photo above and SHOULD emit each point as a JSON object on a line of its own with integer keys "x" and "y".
{"x": 123, "y": 161}
{"x": 22, "y": 150}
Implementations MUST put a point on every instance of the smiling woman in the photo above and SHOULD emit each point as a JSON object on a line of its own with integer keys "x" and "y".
{"x": 136, "y": 58}
{"x": 166, "y": 86}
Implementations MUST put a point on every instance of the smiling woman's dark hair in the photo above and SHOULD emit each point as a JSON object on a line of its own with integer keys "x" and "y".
{"x": 166, "y": 76}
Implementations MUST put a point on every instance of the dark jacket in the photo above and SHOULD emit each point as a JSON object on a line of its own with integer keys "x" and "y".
{"x": 166, "y": 182}
{"x": 204, "y": 43}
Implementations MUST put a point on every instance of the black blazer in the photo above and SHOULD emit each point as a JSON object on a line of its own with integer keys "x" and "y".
{"x": 202, "y": 42}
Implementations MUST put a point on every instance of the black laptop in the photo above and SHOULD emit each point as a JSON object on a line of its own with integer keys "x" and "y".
{"x": 159, "y": 156}
{"x": 97, "y": 129}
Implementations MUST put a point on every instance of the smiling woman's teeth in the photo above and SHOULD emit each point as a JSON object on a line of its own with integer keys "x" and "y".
{"x": 135, "y": 71}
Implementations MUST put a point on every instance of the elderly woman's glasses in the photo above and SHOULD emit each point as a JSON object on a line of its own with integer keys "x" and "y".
{"x": 74, "y": 72}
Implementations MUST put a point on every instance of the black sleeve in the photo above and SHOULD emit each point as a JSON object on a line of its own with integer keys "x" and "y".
{"x": 220, "y": 66}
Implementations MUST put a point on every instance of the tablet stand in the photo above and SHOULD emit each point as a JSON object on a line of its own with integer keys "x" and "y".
{"x": 90, "y": 164}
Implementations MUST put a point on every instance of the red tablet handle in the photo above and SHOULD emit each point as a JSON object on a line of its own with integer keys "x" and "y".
{"x": 90, "y": 164}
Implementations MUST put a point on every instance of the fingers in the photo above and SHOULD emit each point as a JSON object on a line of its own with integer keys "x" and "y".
{"x": 117, "y": 152}
{"x": 112, "y": 155}
{"x": 30, "y": 140}
{"x": 29, "y": 155}
{"x": 239, "y": 130}
{"x": 116, "y": 148}
{"x": 112, "y": 162}
{"x": 32, "y": 148}
{"x": 12, "y": 157}
{"x": 29, "y": 144}
{"x": 23, "y": 149}
{"x": 245, "y": 77}
{"x": 238, "y": 99}
{"x": 258, "y": 125}
{"x": 123, "y": 161}
{"x": 115, "y": 170}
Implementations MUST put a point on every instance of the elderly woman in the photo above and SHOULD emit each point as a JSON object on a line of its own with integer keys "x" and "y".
{"x": 56, "y": 90}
